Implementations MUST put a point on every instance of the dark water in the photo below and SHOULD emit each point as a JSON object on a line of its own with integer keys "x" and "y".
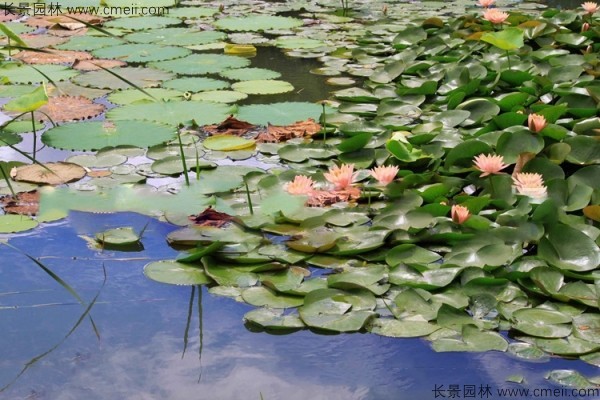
{"x": 142, "y": 325}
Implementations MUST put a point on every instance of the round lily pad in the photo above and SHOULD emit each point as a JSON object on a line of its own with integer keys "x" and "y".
{"x": 89, "y": 43}
{"x": 220, "y": 96}
{"x": 49, "y": 173}
{"x": 118, "y": 236}
{"x": 295, "y": 42}
{"x": 257, "y": 23}
{"x": 175, "y": 37}
{"x": 196, "y": 84}
{"x": 141, "y": 23}
{"x": 262, "y": 296}
{"x": 16, "y": 223}
{"x": 141, "y": 53}
{"x": 227, "y": 143}
{"x": 142, "y": 77}
{"x": 201, "y": 64}
{"x": 279, "y": 113}
{"x": 273, "y": 319}
{"x": 176, "y": 273}
{"x": 129, "y": 96}
{"x": 263, "y": 86}
{"x": 21, "y": 73}
{"x": 173, "y": 112}
{"x": 96, "y": 135}
{"x": 250, "y": 74}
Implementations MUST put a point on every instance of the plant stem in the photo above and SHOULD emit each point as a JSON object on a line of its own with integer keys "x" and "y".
{"x": 185, "y": 170}
{"x": 34, "y": 135}
{"x": 324, "y": 127}
{"x": 508, "y": 60}
{"x": 249, "y": 198}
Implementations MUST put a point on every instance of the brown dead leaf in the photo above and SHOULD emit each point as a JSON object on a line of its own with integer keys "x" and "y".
{"x": 99, "y": 173}
{"x": 95, "y": 64}
{"x": 210, "y": 217}
{"x": 320, "y": 198}
{"x": 26, "y": 203}
{"x": 231, "y": 126}
{"x": 46, "y": 21}
{"x": 6, "y": 16}
{"x": 65, "y": 32}
{"x": 52, "y": 56}
{"x": 70, "y": 108}
{"x": 300, "y": 129}
{"x": 40, "y": 41}
{"x": 53, "y": 173}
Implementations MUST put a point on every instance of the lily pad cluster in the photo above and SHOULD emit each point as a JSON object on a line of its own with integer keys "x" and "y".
{"x": 455, "y": 247}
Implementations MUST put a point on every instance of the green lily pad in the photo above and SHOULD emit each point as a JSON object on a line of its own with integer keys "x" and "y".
{"x": 473, "y": 339}
{"x": 96, "y": 135}
{"x": 28, "y": 102}
{"x": 507, "y": 39}
{"x": 142, "y": 77}
{"x": 175, "y": 273}
{"x": 250, "y": 74}
{"x": 257, "y": 23}
{"x": 263, "y": 86}
{"x": 335, "y": 310}
{"x": 196, "y": 84}
{"x": 142, "y": 23}
{"x": 140, "y": 53}
{"x": 202, "y": 64}
{"x": 227, "y": 143}
{"x": 262, "y": 296}
{"x": 567, "y": 248}
{"x": 129, "y": 96}
{"x": 173, "y": 113}
{"x": 16, "y": 223}
{"x": 410, "y": 254}
{"x": 279, "y": 113}
{"x": 175, "y": 36}
{"x": 220, "y": 96}
{"x": 118, "y": 236}
{"x": 401, "y": 329}
{"x": 21, "y": 73}
{"x": 273, "y": 319}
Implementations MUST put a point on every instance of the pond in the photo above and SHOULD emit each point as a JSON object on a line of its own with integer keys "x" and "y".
{"x": 80, "y": 317}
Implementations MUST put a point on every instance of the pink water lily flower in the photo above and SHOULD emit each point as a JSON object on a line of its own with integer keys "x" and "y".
{"x": 300, "y": 185}
{"x": 489, "y": 164}
{"x": 486, "y": 3}
{"x": 341, "y": 177}
{"x": 530, "y": 184}
{"x": 384, "y": 175}
{"x": 459, "y": 214}
{"x": 495, "y": 16}
{"x": 590, "y": 7}
{"x": 536, "y": 122}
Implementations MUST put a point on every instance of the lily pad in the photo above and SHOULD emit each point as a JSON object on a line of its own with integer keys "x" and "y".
{"x": 49, "y": 173}
{"x": 202, "y": 64}
{"x": 141, "y": 53}
{"x": 273, "y": 319}
{"x": 401, "y": 329}
{"x": 16, "y": 223}
{"x": 262, "y": 296}
{"x": 118, "y": 236}
{"x": 257, "y": 23}
{"x": 227, "y": 143}
{"x": 175, "y": 273}
{"x": 263, "y": 86}
{"x": 96, "y": 135}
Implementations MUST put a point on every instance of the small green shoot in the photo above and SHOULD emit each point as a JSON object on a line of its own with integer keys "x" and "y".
{"x": 183, "y": 163}
{"x": 249, "y": 198}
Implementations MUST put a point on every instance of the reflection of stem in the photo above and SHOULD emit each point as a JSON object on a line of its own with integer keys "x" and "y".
{"x": 508, "y": 60}
{"x": 34, "y": 136}
{"x": 37, "y": 358}
{"x": 324, "y": 124}
{"x": 201, "y": 329}
{"x": 189, "y": 319}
